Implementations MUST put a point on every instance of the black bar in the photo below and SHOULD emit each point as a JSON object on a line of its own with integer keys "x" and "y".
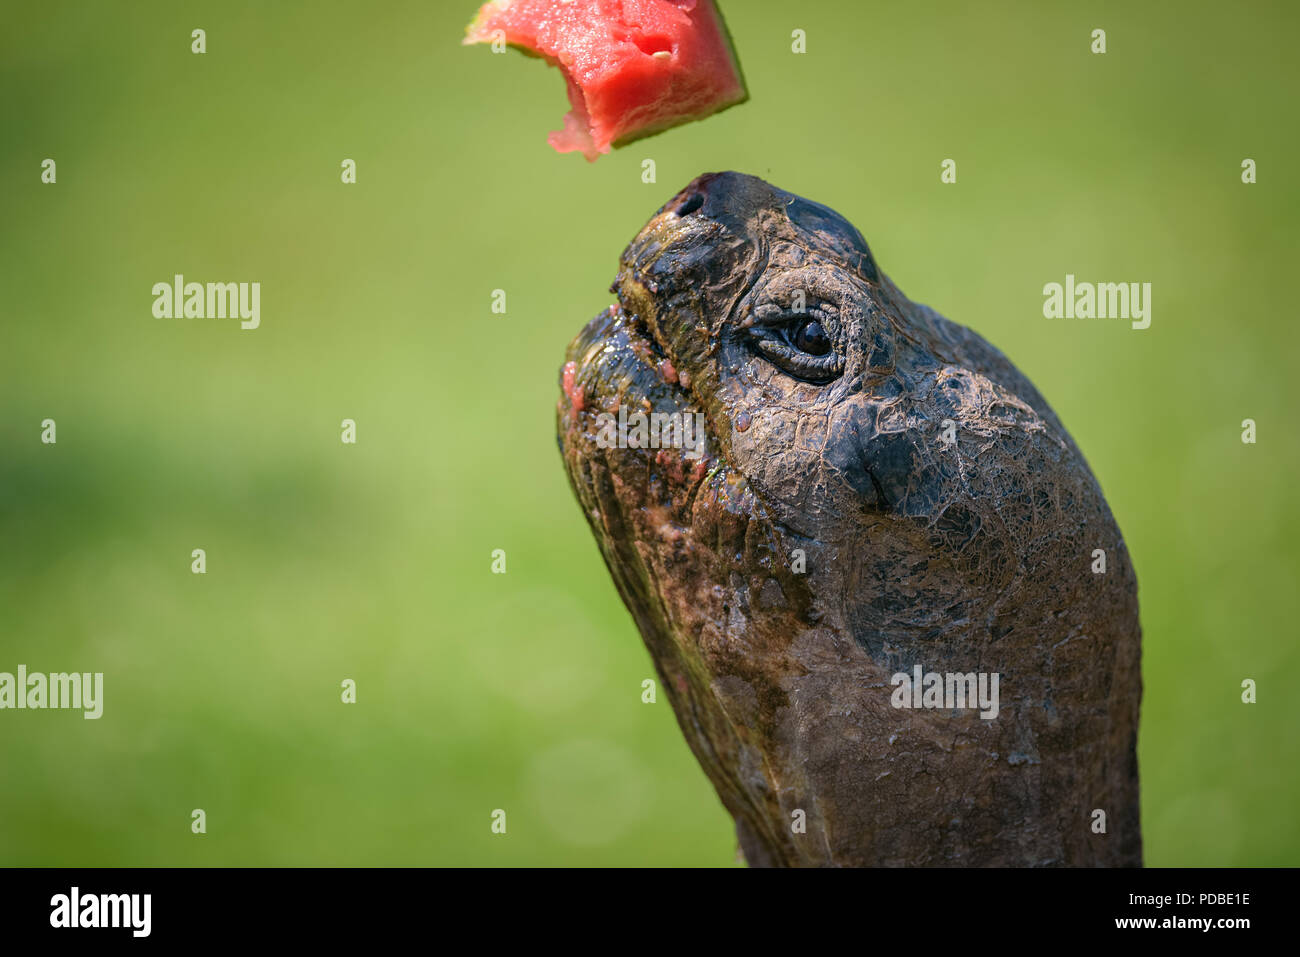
{"x": 939, "y": 908}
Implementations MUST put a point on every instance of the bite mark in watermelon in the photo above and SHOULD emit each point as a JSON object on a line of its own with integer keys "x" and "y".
{"x": 632, "y": 67}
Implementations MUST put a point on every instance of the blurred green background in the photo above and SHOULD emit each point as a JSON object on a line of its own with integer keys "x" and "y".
{"x": 329, "y": 561}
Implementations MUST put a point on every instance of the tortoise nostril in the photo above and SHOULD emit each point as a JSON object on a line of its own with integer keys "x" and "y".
{"x": 692, "y": 205}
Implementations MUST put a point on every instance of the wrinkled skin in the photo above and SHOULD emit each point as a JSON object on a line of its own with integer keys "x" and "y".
{"x": 969, "y": 555}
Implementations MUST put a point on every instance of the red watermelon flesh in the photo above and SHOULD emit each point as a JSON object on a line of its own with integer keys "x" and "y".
{"x": 633, "y": 67}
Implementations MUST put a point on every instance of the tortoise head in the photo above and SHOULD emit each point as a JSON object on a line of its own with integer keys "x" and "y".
{"x": 875, "y": 489}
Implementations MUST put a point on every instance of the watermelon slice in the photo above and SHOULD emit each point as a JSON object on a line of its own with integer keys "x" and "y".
{"x": 633, "y": 67}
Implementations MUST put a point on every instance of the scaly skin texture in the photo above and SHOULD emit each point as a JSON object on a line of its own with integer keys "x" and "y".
{"x": 973, "y": 554}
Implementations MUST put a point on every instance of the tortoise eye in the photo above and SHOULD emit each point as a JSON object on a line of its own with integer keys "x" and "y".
{"x": 797, "y": 343}
{"x": 812, "y": 339}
